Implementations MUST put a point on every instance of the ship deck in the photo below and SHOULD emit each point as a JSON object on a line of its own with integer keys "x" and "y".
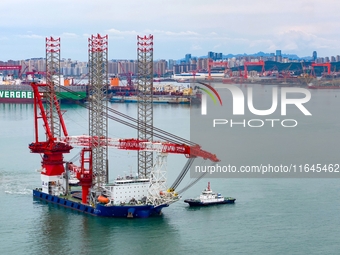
{"x": 65, "y": 201}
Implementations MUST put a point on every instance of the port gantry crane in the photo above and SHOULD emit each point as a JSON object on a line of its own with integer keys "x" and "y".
{"x": 93, "y": 173}
{"x": 212, "y": 63}
{"x": 257, "y": 63}
{"x": 128, "y": 76}
{"x": 328, "y": 65}
{"x": 12, "y": 67}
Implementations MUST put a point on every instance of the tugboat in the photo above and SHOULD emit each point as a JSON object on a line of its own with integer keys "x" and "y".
{"x": 208, "y": 197}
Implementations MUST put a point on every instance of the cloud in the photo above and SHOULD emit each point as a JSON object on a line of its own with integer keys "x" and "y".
{"x": 114, "y": 31}
{"x": 217, "y": 46}
{"x": 294, "y": 40}
{"x": 31, "y": 36}
{"x": 68, "y": 35}
{"x": 181, "y": 33}
{"x": 155, "y": 32}
{"x": 196, "y": 47}
{"x": 180, "y": 26}
{"x": 35, "y": 36}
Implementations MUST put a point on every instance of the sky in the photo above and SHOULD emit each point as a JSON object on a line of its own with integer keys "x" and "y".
{"x": 179, "y": 27}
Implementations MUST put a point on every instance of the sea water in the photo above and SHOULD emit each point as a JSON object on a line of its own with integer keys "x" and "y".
{"x": 270, "y": 216}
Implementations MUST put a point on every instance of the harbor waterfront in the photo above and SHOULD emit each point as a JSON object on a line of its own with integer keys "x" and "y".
{"x": 270, "y": 216}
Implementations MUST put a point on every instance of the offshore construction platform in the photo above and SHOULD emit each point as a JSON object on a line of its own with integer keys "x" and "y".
{"x": 85, "y": 186}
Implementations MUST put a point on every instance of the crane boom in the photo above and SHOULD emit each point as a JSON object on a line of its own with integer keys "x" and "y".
{"x": 190, "y": 151}
{"x": 50, "y": 144}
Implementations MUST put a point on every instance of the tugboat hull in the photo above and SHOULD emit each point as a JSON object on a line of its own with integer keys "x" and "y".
{"x": 195, "y": 202}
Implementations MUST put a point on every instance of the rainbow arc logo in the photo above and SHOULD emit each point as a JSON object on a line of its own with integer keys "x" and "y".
{"x": 213, "y": 94}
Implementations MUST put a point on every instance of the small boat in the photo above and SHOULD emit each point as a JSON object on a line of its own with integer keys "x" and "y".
{"x": 208, "y": 197}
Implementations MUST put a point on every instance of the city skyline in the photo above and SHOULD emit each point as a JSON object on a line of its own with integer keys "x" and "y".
{"x": 69, "y": 67}
{"x": 179, "y": 27}
{"x": 216, "y": 56}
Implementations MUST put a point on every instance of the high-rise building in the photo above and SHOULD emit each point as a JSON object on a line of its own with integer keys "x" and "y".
{"x": 182, "y": 68}
{"x": 113, "y": 67}
{"x": 278, "y": 56}
{"x": 215, "y": 55}
{"x": 160, "y": 67}
{"x": 187, "y": 58}
{"x": 315, "y": 56}
{"x": 171, "y": 64}
{"x": 202, "y": 64}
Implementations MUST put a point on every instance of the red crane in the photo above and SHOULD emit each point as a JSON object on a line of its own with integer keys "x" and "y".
{"x": 128, "y": 76}
{"x": 190, "y": 151}
{"x": 212, "y": 63}
{"x": 52, "y": 150}
{"x": 54, "y": 147}
{"x": 12, "y": 67}
{"x": 328, "y": 65}
{"x": 257, "y": 63}
{"x": 34, "y": 73}
{"x": 55, "y": 180}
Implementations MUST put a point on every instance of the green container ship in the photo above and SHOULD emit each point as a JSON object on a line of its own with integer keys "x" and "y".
{"x": 23, "y": 93}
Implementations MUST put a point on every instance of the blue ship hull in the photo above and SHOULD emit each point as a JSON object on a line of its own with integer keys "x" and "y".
{"x": 128, "y": 211}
